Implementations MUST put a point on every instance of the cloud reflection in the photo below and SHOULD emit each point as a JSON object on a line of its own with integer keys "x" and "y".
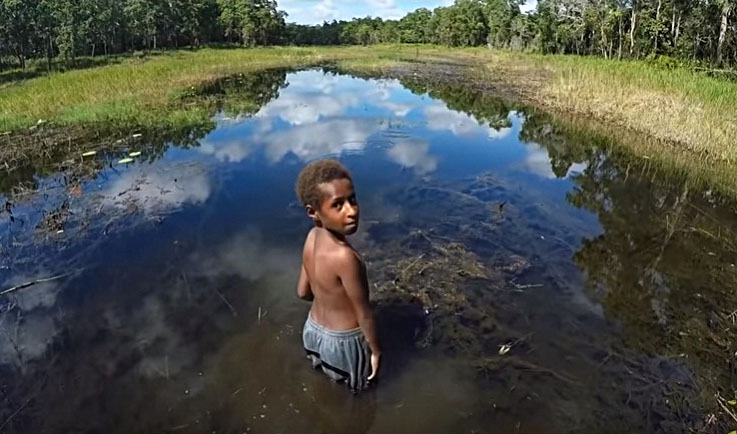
{"x": 316, "y": 110}
{"x": 160, "y": 188}
{"x": 441, "y": 118}
{"x": 538, "y": 161}
{"x": 22, "y": 341}
{"x": 415, "y": 154}
{"x": 246, "y": 255}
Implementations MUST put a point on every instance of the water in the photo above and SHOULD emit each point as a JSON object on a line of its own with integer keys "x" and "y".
{"x": 485, "y": 229}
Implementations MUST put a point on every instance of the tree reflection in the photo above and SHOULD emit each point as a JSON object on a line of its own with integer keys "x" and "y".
{"x": 463, "y": 98}
{"x": 664, "y": 268}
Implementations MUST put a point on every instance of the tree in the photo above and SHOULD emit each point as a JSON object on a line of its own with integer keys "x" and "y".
{"x": 141, "y": 16}
{"x": 413, "y": 27}
{"x": 18, "y": 17}
{"x": 723, "y": 27}
{"x": 500, "y": 15}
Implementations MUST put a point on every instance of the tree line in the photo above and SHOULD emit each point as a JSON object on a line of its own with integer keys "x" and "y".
{"x": 699, "y": 31}
{"x": 66, "y": 29}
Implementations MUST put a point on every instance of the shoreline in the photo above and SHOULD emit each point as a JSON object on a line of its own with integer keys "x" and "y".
{"x": 640, "y": 107}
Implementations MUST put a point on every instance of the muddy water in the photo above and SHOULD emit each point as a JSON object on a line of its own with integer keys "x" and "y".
{"x": 525, "y": 279}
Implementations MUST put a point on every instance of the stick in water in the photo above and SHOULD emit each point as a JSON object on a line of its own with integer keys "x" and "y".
{"x": 33, "y": 282}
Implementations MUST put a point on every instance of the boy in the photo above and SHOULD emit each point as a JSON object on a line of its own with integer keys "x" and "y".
{"x": 340, "y": 325}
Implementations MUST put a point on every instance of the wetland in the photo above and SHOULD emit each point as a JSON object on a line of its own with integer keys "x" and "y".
{"x": 529, "y": 274}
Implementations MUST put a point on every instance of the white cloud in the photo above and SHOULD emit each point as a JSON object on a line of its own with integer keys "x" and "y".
{"x": 538, "y": 162}
{"x": 298, "y": 109}
{"x": 529, "y": 6}
{"x": 440, "y": 118}
{"x": 246, "y": 255}
{"x": 156, "y": 189}
{"x": 317, "y": 11}
{"x": 499, "y": 134}
{"x": 314, "y": 107}
{"x": 324, "y": 138}
{"x": 388, "y": 9}
{"x": 414, "y": 154}
{"x": 30, "y": 338}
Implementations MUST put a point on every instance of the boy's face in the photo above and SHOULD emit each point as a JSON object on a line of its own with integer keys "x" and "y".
{"x": 338, "y": 209}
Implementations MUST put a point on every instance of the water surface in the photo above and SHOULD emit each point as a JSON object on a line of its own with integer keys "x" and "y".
{"x": 524, "y": 281}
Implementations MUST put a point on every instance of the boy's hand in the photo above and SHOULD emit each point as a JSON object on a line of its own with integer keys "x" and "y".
{"x": 375, "y": 362}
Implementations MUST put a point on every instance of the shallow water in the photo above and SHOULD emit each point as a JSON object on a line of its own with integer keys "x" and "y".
{"x": 179, "y": 311}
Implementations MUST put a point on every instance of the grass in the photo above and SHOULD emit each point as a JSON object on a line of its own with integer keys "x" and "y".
{"x": 689, "y": 120}
{"x": 675, "y": 105}
{"x": 142, "y": 92}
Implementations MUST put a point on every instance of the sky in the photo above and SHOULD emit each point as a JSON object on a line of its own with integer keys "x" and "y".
{"x": 317, "y": 11}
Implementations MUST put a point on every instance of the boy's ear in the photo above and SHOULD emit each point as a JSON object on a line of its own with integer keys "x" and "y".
{"x": 312, "y": 213}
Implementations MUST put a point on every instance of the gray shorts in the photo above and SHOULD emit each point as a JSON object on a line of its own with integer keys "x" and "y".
{"x": 342, "y": 355}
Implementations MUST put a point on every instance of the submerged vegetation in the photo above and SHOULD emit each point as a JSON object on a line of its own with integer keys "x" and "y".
{"x": 645, "y": 110}
{"x": 454, "y": 264}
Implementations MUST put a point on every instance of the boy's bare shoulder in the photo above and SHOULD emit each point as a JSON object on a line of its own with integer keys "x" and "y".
{"x": 345, "y": 256}
{"x": 309, "y": 244}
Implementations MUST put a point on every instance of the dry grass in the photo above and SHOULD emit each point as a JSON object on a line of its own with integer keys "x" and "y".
{"x": 682, "y": 120}
{"x": 687, "y": 120}
{"x": 678, "y": 105}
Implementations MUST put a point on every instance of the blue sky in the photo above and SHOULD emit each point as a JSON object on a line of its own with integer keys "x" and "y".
{"x": 317, "y": 11}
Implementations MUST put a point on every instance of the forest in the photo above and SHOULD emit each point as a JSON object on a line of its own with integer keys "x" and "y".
{"x": 699, "y": 33}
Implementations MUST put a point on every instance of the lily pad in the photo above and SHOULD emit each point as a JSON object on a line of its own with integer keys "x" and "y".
{"x": 89, "y": 153}
{"x": 125, "y": 160}
{"x": 134, "y": 154}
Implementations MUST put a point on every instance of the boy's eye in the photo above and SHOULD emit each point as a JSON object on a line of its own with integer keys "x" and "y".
{"x": 352, "y": 200}
{"x": 336, "y": 204}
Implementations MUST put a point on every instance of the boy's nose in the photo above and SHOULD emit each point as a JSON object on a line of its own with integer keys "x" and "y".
{"x": 352, "y": 210}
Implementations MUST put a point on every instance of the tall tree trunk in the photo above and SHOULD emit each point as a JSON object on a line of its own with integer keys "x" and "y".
{"x": 49, "y": 53}
{"x": 604, "y": 42}
{"x": 673, "y": 25}
{"x": 726, "y": 9}
{"x": 657, "y": 26}
{"x": 621, "y": 36}
{"x": 633, "y": 28}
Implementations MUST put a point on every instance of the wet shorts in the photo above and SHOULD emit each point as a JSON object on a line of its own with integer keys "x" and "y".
{"x": 342, "y": 355}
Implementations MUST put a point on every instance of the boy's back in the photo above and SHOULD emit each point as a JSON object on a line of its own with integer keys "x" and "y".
{"x": 322, "y": 258}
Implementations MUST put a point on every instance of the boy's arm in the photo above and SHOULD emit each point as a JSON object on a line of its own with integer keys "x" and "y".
{"x": 353, "y": 276}
{"x": 304, "y": 291}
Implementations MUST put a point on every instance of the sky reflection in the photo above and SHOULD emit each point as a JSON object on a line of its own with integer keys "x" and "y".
{"x": 319, "y": 114}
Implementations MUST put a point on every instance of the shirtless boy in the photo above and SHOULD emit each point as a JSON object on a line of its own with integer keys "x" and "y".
{"x": 340, "y": 332}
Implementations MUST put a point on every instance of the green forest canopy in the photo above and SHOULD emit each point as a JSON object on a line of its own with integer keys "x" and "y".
{"x": 692, "y": 31}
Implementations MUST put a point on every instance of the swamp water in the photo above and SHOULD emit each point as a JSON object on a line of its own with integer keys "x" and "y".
{"x": 526, "y": 281}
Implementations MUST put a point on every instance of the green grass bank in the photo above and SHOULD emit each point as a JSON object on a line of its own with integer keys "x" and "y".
{"x": 689, "y": 119}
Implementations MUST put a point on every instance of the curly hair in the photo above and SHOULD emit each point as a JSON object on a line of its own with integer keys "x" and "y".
{"x": 314, "y": 174}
